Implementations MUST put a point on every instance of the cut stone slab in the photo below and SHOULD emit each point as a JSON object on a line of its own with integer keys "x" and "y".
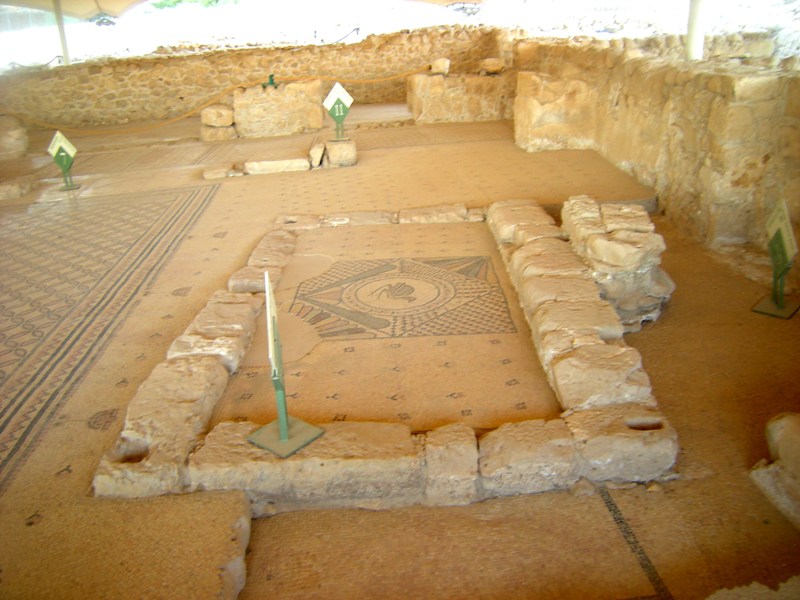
{"x": 628, "y": 442}
{"x": 580, "y": 315}
{"x": 781, "y": 488}
{"x": 527, "y": 458}
{"x": 217, "y": 320}
{"x": 528, "y": 232}
{"x": 217, "y": 134}
{"x": 217, "y": 115}
{"x": 537, "y": 290}
{"x": 266, "y": 167}
{"x": 600, "y": 375}
{"x": 369, "y": 465}
{"x": 229, "y": 350}
{"x": 628, "y": 217}
{"x": 454, "y": 213}
{"x": 451, "y": 466}
{"x": 341, "y": 153}
{"x": 551, "y": 264}
{"x": 251, "y": 279}
{"x": 783, "y": 439}
{"x": 377, "y": 217}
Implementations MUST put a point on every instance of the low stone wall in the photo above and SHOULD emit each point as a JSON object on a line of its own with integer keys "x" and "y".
{"x": 611, "y": 429}
{"x": 716, "y": 139}
{"x": 461, "y": 98}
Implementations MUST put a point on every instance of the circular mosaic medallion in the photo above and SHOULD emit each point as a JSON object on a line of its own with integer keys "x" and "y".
{"x": 393, "y": 294}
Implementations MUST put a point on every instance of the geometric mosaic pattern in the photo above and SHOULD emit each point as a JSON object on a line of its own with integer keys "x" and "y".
{"x": 69, "y": 270}
{"x": 404, "y": 297}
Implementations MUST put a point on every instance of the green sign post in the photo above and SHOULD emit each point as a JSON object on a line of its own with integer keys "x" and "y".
{"x": 63, "y": 153}
{"x": 337, "y": 103}
{"x": 782, "y": 251}
{"x": 286, "y": 435}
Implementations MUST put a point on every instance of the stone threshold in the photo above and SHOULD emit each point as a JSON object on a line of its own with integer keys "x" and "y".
{"x": 610, "y": 430}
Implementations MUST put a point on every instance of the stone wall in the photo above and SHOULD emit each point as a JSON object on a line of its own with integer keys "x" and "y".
{"x": 716, "y": 139}
{"x": 162, "y": 87}
{"x": 461, "y": 98}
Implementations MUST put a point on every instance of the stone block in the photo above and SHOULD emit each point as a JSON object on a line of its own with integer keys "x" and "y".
{"x": 756, "y": 88}
{"x": 627, "y": 442}
{"x": 453, "y": 213}
{"x": 18, "y": 187}
{"x": 283, "y": 110}
{"x": 217, "y": 115}
{"x": 491, "y": 66}
{"x": 315, "y": 154}
{"x": 119, "y": 477}
{"x": 277, "y": 241}
{"x": 578, "y": 315}
{"x": 783, "y": 439}
{"x": 476, "y": 215}
{"x": 217, "y": 134}
{"x": 13, "y": 138}
{"x": 341, "y": 153}
{"x": 376, "y": 217}
{"x": 229, "y": 350}
{"x": 536, "y": 290}
{"x": 528, "y": 232}
{"x": 550, "y": 264}
{"x": 527, "y": 458}
{"x": 218, "y": 319}
{"x": 264, "y": 258}
{"x": 624, "y": 250}
{"x": 600, "y": 375}
{"x": 554, "y": 344}
{"x": 630, "y": 217}
{"x": 440, "y": 66}
{"x": 254, "y": 301}
{"x": 370, "y": 465}
{"x": 251, "y": 279}
{"x": 298, "y": 222}
{"x": 505, "y": 217}
{"x": 266, "y": 167}
{"x": 217, "y": 172}
{"x": 451, "y": 465}
{"x": 781, "y": 487}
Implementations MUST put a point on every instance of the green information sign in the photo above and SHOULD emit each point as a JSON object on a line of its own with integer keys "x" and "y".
{"x": 63, "y": 153}
{"x": 782, "y": 248}
{"x": 337, "y": 103}
{"x": 286, "y": 435}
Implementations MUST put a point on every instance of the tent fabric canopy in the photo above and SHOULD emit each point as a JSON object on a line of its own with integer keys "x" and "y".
{"x": 81, "y": 9}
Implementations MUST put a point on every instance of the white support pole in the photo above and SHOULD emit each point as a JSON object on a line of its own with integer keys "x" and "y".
{"x": 61, "y": 33}
{"x": 695, "y": 37}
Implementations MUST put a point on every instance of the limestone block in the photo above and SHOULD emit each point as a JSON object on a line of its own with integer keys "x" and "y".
{"x": 476, "y": 215}
{"x": 229, "y": 350}
{"x": 756, "y": 88}
{"x": 550, "y": 264}
{"x": 783, "y": 438}
{"x": 251, "y": 279}
{"x": 341, "y": 153}
{"x": 577, "y": 315}
{"x": 254, "y": 301}
{"x": 268, "y": 111}
{"x": 624, "y": 250}
{"x": 527, "y": 458}
{"x": 554, "y": 344}
{"x": 265, "y": 167}
{"x": 451, "y": 465}
{"x": 440, "y": 66}
{"x": 217, "y": 172}
{"x": 13, "y": 138}
{"x": 630, "y": 217}
{"x": 600, "y": 375}
{"x": 527, "y": 232}
{"x": 627, "y": 442}
{"x": 374, "y": 217}
{"x": 118, "y": 477}
{"x": 277, "y": 241}
{"x": 375, "y": 465}
{"x": 264, "y": 258}
{"x": 298, "y": 222}
{"x": 217, "y": 115}
{"x": 505, "y": 217}
{"x": 491, "y": 66}
{"x": 536, "y": 290}
{"x": 780, "y": 486}
{"x": 217, "y": 134}
{"x": 453, "y": 213}
{"x": 315, "y": 154}
{"x": 224, "y": 320}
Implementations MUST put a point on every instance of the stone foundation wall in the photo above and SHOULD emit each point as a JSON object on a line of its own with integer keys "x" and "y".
{"x": 461, "y": 98}
{"x": 716, "y": 139}
{"x": 162, "y": 87}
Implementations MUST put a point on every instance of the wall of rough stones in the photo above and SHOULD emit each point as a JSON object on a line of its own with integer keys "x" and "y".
{"x": 717, "y": 139}
{"x": 161, "y": 87}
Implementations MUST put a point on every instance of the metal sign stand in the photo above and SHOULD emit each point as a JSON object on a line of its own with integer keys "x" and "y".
{"x": 286, "y": 435}
{"x": 63, "y": 153}
{"x": 337, "y": 103}
{"x": 782, "y": 251}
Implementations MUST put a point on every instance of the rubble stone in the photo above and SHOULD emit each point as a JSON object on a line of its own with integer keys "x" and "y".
{"x": 341, "y": 153}
{"x": 527, "y": 458}
{"x": 451, "y": 465}
{"x": 627, "y": 442}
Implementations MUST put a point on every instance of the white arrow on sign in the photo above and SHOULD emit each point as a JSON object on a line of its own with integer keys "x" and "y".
{"x": 337, "y": 93}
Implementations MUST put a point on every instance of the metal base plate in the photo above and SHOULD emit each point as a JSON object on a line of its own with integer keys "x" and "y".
{"x": 766, "y": 306}
{"x": 301, "y": 434}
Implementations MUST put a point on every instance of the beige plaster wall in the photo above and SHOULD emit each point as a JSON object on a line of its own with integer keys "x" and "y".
{"x": 161, "y": 87}
{"x": 717, "y": 139}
